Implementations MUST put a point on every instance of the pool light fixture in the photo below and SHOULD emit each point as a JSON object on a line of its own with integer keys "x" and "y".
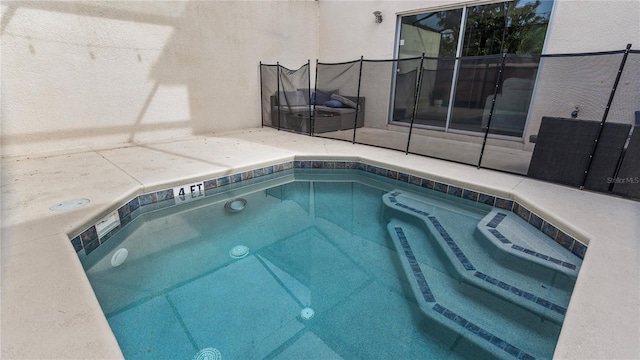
{"x": 239, "y": 251}
{"x": 119, "y": 257}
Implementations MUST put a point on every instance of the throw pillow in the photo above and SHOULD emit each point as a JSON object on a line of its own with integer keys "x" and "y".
{"x": 334, "y": 104}
{"x": 320, "y": 97}
{"x": 346, "y": 101}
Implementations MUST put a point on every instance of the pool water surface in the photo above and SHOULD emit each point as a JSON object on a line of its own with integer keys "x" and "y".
{"x": 323, "y": 279}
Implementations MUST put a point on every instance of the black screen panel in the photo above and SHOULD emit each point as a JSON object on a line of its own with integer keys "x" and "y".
{"x": 562, "y": 150}
{"x": 607, "y": 156}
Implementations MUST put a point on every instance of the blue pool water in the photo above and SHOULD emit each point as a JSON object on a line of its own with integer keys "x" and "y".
{"x": 325, "y": 242}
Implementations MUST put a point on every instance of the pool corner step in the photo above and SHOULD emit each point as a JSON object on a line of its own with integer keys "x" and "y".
{"x": 434, "y": 307}
{"x": 511, "y": 236}
{"x": 489, "y": 279}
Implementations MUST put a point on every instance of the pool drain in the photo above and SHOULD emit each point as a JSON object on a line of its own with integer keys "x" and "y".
{"x": 307, "y": 313}
{"x": 208, "y": 354}
{"x": 239, "y": 251}
{"x": 69, "y": 205}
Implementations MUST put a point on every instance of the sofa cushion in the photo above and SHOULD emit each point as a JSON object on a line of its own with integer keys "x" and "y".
{"x": 295, "y": 108}
{"x": 340, "y": 111}
{"x": 292, "y": 98}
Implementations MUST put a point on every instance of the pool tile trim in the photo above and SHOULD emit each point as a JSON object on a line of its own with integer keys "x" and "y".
{"x": 165, "y": 198}
{"x": 466, "y": 263}
{"x": 462, "y": 258}
{"x": 492, "y": 228}
{"x": 415, "y": 267}
{"x": 482, "y": 333}
{"x": 455, "y": 318}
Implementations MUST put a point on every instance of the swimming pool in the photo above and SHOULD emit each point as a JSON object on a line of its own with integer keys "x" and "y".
{"x": 367, "y": 254}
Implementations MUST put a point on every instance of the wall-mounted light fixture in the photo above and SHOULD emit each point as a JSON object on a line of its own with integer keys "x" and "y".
{"x": 378, "y": 15}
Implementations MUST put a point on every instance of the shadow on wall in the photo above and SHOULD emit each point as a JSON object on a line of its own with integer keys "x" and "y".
{"x": 99, "y": 74}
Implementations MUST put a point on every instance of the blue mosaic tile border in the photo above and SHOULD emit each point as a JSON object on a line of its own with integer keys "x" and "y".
{"x": 482, "y": 333}
{"x": 519, "y": 292}
{"x": 128, "y": 212}
{"x": 567, "y": 241}
{"x": 452, "y": 244}
{"x": 503, "y": 239}
{"x": 450, "y": 315}
{"x": 466, "y": 263}
{"x": 544, "y": 257}
{"x": 87, "y": 241}
{"x": 415, "y": 267}
{"x": 499, "y": 236}
{"x": 496, "y": 220}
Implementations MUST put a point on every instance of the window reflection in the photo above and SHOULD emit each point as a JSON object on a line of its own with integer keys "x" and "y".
{"x": 435, "y": 34}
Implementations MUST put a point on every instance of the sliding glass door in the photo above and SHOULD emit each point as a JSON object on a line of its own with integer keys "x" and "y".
{"x": 462, "y": 49}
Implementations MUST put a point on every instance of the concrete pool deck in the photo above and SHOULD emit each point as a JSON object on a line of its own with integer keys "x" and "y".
{"x": 49, "y": 309}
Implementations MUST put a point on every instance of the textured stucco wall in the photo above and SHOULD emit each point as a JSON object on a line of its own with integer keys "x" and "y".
{"x": 97, "y": 74}
{"x": 593, "y": 25}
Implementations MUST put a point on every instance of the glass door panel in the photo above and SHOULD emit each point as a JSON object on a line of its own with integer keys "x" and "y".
{"x": 474, "y": 91}
{"x": 433, "y": 102}
{"x": 435, "y": 35}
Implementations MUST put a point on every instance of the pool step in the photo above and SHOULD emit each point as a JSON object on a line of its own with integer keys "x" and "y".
{"x": 527, "y": 292}
{"x": 464, "y": 309}
{"x": 512, "y": 237}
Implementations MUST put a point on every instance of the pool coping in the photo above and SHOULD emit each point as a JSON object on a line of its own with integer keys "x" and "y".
{"x": 90, "y": 238}
{"x": 600, "y": 318}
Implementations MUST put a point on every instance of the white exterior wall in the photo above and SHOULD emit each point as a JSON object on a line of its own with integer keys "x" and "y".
{"x": 348, "y": 30}
{"x": 593, "y": 25}
{"x": 587, "y": 26}
{"x": 98, "y": 74}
